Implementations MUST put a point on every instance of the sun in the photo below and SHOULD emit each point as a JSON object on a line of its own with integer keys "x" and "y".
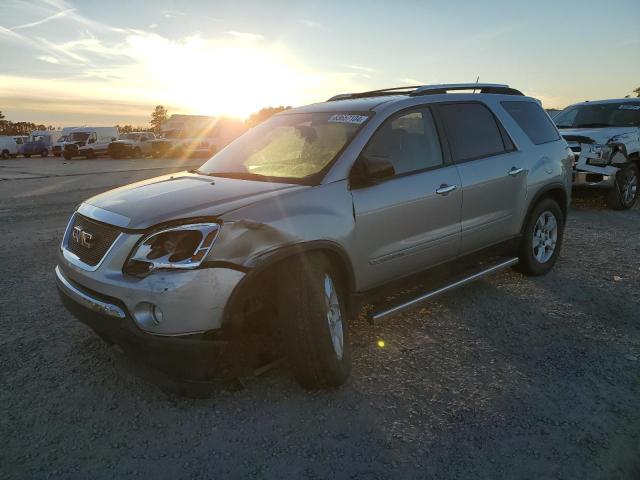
{"x": 202, "y": 77}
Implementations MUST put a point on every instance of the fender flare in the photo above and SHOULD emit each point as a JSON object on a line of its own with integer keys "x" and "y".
{"x": 552, "y": 187}
{"x": 262, "y": 262}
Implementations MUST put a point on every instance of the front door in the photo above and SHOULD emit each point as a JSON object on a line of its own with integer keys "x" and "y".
{"x": 412, "y": 220}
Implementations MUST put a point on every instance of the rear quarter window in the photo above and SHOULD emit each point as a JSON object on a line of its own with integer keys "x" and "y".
{"x": 472, "y": 131}
{"x": 533, "y": 121}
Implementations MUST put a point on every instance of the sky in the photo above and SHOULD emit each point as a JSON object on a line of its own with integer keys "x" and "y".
{"x": 110, "y": 62}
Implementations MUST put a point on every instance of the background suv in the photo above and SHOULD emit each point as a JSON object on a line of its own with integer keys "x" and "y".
{"x": 312, "y": 211}
{"x": 605, "y": 137}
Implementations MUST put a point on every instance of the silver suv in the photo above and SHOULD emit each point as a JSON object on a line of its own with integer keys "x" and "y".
{"x": 309, "y": 213}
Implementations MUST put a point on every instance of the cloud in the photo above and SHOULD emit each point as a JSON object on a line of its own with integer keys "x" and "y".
{"x": 61, "y": 14}
{"x": 311, "y": 23}
{"x": 153, "y": 25}
{"x": 362, "y": 68}
{"x": 49, "y": 59}
{"x": 411, "y": 81}
{"x": 246, "y": 36}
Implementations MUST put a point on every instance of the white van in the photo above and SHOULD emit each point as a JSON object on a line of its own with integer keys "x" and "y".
{"x": 8, "y": 147}
{"x": 58, "y": 146}
{"x": 89, "y": 142}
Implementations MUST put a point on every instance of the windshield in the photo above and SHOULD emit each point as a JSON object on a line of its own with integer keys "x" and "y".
{"x": 129, "y": 136}
{"x": 621, "y": 114}
{"x": 79, "y": 136}
{"x": 291, "y": 146}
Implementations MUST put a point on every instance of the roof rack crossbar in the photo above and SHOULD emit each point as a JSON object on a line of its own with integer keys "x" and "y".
{"x": 495, "y": 88}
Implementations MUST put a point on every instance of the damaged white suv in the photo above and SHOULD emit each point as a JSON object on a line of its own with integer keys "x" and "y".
{"x": 605, "y": 138}
{"x": 313, "y": 212}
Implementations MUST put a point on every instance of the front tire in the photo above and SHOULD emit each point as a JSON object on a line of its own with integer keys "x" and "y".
{"x": 44, "y": 153}
{"x": 136, "y": 153}
{"x": 313, "y": 313}
{"x": 90, "y": 154}
{"x": 541, "y": 239}
{"x": 624, "y": 193}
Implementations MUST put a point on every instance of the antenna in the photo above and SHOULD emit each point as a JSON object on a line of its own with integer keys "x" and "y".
{"x": 477, "y": 80}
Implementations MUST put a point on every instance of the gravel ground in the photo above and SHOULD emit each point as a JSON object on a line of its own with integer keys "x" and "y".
{"x": 510, "y": 377}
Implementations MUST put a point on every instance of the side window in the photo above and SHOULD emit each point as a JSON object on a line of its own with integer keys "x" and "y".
{"x": 409, "y": 141}
{"x": 533, "y": 121}
{"x": 93, "y": 138}
{"x": 472, "y": 131}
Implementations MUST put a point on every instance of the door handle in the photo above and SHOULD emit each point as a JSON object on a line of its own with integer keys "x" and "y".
{"x": 515, "y": 171}
{"x": 446, "y": 189}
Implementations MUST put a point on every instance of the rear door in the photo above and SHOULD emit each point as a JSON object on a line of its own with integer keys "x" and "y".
{"x": 492, "y": 172}
{"x": 412, "y": 220}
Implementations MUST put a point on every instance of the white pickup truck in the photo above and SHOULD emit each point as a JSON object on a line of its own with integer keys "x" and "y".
{"x": 604, "y": 136}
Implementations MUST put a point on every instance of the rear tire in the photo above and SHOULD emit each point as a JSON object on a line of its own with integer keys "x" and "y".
{"x": 542, "y": 238}
{"x": 90, "y": 154}
{"x": 27, "y": 155}
{"x": 5, "y": 154}
{"x": 313, "y": 314}
{"x": 136, "y": 153}
{"x": 624, "y": 193}
{"x": 44, "y": 153}
{"x": 67, "y": 156}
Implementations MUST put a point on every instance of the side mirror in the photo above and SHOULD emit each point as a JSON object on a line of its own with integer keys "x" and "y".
{"x": 369, "y": 170}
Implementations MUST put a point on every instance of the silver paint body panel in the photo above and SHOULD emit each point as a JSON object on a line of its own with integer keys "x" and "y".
{"x": 386, "y": 230}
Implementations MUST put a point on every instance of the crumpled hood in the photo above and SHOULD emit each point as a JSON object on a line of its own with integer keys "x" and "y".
{"x": 599, "y": 135}
{"x": 183, "y": 195}
{"x": 124, "y": 141}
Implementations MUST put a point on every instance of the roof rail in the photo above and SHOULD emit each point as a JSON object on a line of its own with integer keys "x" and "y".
{"x": 495, "y": 88}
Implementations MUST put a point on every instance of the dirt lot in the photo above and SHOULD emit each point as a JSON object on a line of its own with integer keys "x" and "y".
{"x": 510, "y": 377}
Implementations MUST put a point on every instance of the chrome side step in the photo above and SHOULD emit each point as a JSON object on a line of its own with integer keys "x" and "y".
{"x": 377, "y": 316}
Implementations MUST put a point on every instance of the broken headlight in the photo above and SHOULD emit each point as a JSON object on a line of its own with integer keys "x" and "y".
{"x": 177, "y": 248}
{"x": 599, "y": 154}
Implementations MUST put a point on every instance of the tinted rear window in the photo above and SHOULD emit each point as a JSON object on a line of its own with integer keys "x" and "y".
{"x": 472, "y": 130}
{"x": 533, "y": 121}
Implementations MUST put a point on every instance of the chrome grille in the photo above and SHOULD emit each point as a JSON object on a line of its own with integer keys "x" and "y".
{"x": 102, "y": 237}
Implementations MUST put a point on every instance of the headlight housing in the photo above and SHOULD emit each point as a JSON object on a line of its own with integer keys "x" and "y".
{"x": 183, "y": 247}
{"x": 599, "y": 154}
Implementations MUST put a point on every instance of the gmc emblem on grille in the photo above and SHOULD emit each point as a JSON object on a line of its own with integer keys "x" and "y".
{"x": 82, "y": 237}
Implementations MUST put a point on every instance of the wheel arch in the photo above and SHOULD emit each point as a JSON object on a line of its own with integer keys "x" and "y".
{"x": 556, "y": 192}
{"x": 267, "y": 265}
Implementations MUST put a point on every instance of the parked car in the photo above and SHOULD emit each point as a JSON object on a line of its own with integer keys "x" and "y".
{"x": 313, "y": 211}
{"x": 21, "y": 140}
{"x": 605, "y": 138}
{"x": 89, "y": 142}
{"x": 58, "y": 146}
{"x": 8, "y": 147}
{"x": 41, "y": 142}
{"x": 133, "y": 144}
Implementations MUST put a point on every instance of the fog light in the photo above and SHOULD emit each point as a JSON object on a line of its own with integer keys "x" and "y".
{"x": 147, "y": 315}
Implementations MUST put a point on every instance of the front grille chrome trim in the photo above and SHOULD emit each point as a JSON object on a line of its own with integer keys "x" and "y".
{"x": 85, "y": 300}
{"x": 73, "y": 258}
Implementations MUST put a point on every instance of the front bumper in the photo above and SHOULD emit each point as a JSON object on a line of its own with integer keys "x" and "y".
{"x": 593, "y": 179}
{"x": 189, "y": 357}
{"x": 190, "y": 301}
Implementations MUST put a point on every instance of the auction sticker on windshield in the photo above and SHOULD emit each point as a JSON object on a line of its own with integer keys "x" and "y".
{"x": 346, "y": 118}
